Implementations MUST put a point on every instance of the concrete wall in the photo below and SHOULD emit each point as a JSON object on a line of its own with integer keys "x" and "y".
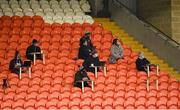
{"x": 156, "y": 12}
{"x": 151, "y": 38}
{"x": 131, "y": 4}
{"x": 176, "y": 19}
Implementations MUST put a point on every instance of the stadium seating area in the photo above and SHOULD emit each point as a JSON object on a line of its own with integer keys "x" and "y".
{"x": 51, "y": 85}
{"x": 53, "y": 11}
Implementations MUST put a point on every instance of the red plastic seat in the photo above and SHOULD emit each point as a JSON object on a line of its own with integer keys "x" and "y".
{"x": 162, "y": 101}
{"x": 27, "y": 23}
{"x": 17, "y": 23}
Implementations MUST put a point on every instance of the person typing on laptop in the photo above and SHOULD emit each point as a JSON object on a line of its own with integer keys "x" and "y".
{"x": 34, "y": 52}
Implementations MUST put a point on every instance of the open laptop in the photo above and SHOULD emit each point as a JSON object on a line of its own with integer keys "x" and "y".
{"x": 27, "y": 63}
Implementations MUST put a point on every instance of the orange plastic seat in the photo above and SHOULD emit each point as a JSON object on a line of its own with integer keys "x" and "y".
{"x": 52, "y": 103}
{"x": 7, "y": 104}
{"x": 96, "y": 102}
{"x": 17, "y": 23}
{"x": 55, "y": 25}
{"x": 162, "y": 102}
{"x": 30, "y": 103}
{"x": 27, "y": 23}
{"x": 41, "y": 103}
{"x": 65, "y": 25}
{"x": 173, "y": 101}
{"x": 25, "y": 31}
{"x": 130, "y": 101}
{"x": 118, "y": 102}
{"x": 32, "y": 95}
{"x": 5, "y": 31}
{"x": 37, "y": 18}
{"x": 38, "y": 23}
{"x": 56, "y": 31}
{"x": 15, "y": 31}
{"x": 46, "y": 31}
{"x": 4, "y": 38}
{"x": 77, "y": 31}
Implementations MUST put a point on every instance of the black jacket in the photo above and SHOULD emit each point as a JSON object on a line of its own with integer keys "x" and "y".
{"x": 12, "y": 65}
{"x": 141, "y": 63}
{"x": 86, "y": 38}
{"x": 32, "y": 49}
{"x": 91, "y": 60}
{"x": 79, "y": 77}
{"x": 84, "y": 52}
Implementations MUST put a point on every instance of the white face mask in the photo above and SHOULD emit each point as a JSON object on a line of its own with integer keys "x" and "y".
{"x": 95, "y": 55}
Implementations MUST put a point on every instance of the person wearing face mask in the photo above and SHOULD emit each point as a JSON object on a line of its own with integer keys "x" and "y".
{"x": 80, "y": 76}
{"x": 142, "y": 62}
{"x": 15, "y": 63}
{"x": 86, "y": 37}
{"x": 34, "y": 47}
{"x": 84, "y": 51}
{"x": 116, "y": 51}
{"x": 93, "y": 60}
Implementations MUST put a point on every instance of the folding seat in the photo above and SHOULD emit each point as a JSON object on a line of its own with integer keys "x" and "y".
{"x": 9, "y": 96}
{"x": 139, "y": 106}
{"x": 162, "y": 101}
{"x": 96, "y": 102}
{"x": 16, "y": 22}
{"x": 107, "y": 102}
{"x": 173, "y": 85}
{"x": 27, "y": 22}
{"x": 6, "y": 23}
{"x": 14, "y": 38}
{"x": 173, "y": 93}
{"x": 26, "y": 31}
{"x": 38, "y": 23}
{"x": 7, "y": 104}
{"x": 32, "y": 95}
{"x": 45, "y": 88}
{"x": 173, "y": 101}
{"x": 36, "y": 31}
{"x": 66, "y": 31}
{"x": 34, "y": 86}
{"x": 52, "y": 102}
{"x": 41, "y": 103}
{"x": 5, "y": 31}
{"x": 121, "y": 79}
{"x": 110, "y": 80}
{"x": 129, "y": 102}
{"x": 15, "y": 31}
{"x": 45, "y": 45}
{"x": 118, "y": 102}
{"x": 30, "y": 103}
{"x": 130, "y": 93}
{"x": 24, "y": 81}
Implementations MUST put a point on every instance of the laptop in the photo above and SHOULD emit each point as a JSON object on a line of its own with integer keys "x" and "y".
{"x": 27, "y": 63}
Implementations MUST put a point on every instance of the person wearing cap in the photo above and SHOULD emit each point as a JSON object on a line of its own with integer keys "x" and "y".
{"x": 15, "y": 63}
{"x": 86, "y": 37}
{"x": 32, "y": 49}
{"x": 93, "y": 60}
{"x": 84, "y": 51}
{"x": 116, "y": 51}
{"x": 80, "y": 76}
{"x": 142, "y": 62}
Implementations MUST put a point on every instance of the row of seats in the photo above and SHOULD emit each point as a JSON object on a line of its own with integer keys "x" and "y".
{"x": 53, "y": 11}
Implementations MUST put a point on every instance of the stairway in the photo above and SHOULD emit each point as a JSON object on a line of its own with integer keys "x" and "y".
{"x": 136, "y": 45}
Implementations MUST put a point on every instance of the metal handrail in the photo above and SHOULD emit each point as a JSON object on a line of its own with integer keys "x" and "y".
{"x": 145, "y": 21}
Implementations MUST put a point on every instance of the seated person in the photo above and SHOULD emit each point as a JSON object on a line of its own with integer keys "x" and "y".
{"x": 15, "y": 64}
{"x": 116, "y": 51}
{"x": 93, "y": 60}
{"x": 86, "y": 37}
{"x": 142, "y": 63}
{"x": 84, "y": 51}
{"x": 81, "y": 75}
{"x": 33, "y": 48}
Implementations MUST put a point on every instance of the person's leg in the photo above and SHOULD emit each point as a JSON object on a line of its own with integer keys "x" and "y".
{"x": 79, "y": 85}
{"x": 86, "y": 84}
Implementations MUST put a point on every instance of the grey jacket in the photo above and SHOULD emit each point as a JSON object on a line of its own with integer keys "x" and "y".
{"x": 116, "y": 53}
